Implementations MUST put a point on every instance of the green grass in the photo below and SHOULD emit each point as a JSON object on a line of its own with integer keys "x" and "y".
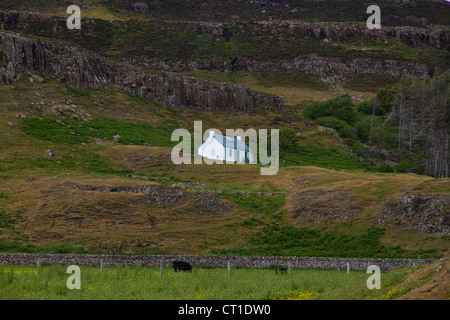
{"x": 72, "y": 131}
{"x": 330, "y": 158}
{"x": 264, "y": 205}
{"x": 49, "y": 282}
{"x": 5, "y": 220}
{"x": 83, "y": 161}
{"x": 78, "y": 92}
{"x": 19, "y": 247}
{"x": 293, "y": 241}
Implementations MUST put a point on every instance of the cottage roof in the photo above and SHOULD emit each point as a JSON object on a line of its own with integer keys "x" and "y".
{"x": 231, "y": 142}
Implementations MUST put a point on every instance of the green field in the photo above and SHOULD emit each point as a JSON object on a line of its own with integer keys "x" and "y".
{"x": 124, "y": 282}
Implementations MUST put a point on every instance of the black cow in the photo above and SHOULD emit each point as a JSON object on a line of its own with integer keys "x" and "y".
{"x": 181, "y": 266}
{"x": 282, "y": 270}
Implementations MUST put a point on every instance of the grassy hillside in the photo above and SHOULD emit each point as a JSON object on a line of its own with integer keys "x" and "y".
{"x": 196, "y": 10}
{"x": 42, "y": 211}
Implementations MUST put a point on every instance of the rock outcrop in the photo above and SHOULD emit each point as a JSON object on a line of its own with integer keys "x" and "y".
{"x": 428, "y": 213}
{"x": 160, "y": 195}
{"x": 411, "y": 36}
{"x": 81, "y": 69}
{"x": 433, "y": 35}
{"x": 329, "y": 70}
{"x": 325, "y": 68}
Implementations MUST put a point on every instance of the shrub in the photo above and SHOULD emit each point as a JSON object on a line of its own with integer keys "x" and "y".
{"x": 364, "y": 107}
{"x": 385, "y": 168}
{"x": 340, "y": 107}
{"x": 362, "y": 130}
{"x": 288, "y": 140}
{"x": 385, "y": 100}
{"x": 342, "y": 127}
{"x": 405, "y": 165}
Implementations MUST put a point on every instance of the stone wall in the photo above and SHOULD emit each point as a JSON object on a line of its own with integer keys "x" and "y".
{"x": 212, "y": 261}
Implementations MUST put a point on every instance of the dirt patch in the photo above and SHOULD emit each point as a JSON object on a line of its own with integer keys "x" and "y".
{"x": 305, "y": 180}
{"x": 316, "y": 206}
{"x": 166, "y": 196}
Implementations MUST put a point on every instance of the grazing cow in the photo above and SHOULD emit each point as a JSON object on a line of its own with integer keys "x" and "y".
{"x": 282, "y": 270}
{"x": 181, "y": 266}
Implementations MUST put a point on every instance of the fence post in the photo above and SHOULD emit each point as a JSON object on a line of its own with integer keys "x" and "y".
{"x": 229, "y": 268}
{"x": 161, "y": 267}
{"x": 101, "y": 266}
{"x": 348, "y": 268}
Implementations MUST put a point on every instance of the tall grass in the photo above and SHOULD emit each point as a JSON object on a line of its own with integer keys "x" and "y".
{"x": 49, "y": 282}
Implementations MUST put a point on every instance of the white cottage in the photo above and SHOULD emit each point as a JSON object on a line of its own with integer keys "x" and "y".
{"x": 225, "y": 148}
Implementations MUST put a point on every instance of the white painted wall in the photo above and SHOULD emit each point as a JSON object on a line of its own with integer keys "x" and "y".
{"x": 212, "y": 149}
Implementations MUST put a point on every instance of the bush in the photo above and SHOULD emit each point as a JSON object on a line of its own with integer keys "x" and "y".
{"x": 364, "y": 107}
{"x": 385, "y": 168}
{"x": 340, "y": 107}
{"x": 342, "y": 127}
{"x": 405, "y": 165}
{"x": 385, "y": 100}
{"x": 362, "y": 130}
{"x": 288, "y": 140}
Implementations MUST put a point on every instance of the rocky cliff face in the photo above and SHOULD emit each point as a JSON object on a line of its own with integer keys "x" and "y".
{"x": 81, "y": 69}
{"x": 428, "y": 213}
{"x": 411, "y": 36}
{"x": 325, "y": 68}
{"x": 433, "y": 35}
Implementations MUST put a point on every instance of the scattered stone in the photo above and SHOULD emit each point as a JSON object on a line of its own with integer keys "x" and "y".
{"x": 50, "y": 153}
{"x": 31, "y": 177}
{"x": 116, "y": 138}
{"x": 37, "y": 78}
{"x": 147, "y": 144}
{"x": 11, "y": 124}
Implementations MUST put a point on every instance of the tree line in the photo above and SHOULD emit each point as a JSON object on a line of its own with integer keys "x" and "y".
{"x": 405, "y": 128}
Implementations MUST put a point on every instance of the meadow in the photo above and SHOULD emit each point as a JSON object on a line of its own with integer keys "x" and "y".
{"x": 129, "y": 283}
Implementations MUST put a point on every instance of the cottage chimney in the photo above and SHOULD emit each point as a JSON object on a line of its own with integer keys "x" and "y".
{"x": 239, "y": 138}
{"x": 211, "y": 133}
